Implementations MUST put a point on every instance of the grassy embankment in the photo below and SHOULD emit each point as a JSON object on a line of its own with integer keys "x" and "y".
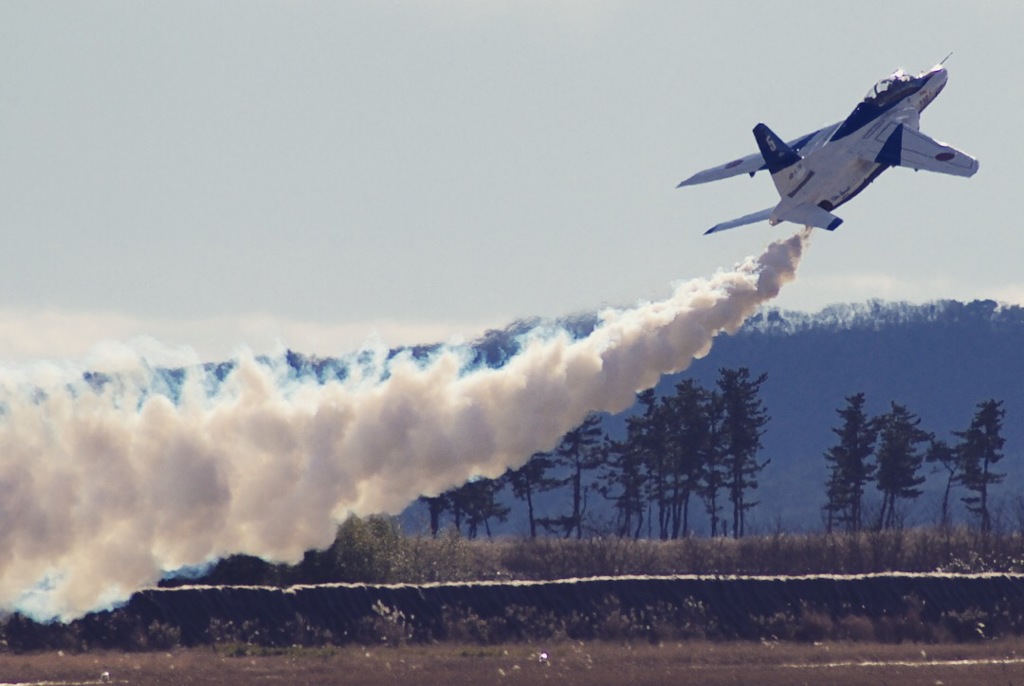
{"x": 374, "y": 551}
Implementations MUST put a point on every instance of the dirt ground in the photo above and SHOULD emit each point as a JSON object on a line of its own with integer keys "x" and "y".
{"x": 564, "y": 664}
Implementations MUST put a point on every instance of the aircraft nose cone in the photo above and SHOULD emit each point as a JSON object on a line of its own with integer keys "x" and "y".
{"x": 937, "y": 77}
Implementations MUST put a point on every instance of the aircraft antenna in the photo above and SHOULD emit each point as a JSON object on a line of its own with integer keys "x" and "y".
{"x": 945, "y": 58}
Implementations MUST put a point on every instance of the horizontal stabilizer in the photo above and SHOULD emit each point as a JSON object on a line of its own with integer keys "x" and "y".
{"x": 806, "y": 214}
{"x": 742, "y": 221}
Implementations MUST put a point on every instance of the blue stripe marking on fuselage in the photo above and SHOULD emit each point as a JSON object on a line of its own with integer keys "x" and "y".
{"x": 865, "y": 112}
{"x": 891, "y": 153}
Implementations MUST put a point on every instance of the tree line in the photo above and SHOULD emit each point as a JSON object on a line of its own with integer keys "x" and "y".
{"x": 890, "y": 450}
{"x": 697, "y": 451}
{"x": 696, "y": 445}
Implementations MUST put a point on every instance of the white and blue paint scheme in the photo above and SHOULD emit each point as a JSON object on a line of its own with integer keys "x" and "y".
{"x": 818, "y": 172}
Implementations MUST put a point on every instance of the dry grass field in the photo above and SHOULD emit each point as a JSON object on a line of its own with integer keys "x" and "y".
{"x": 565, "y": 664}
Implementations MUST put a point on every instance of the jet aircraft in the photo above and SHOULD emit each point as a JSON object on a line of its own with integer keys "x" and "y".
{"x": 817, "y": 173}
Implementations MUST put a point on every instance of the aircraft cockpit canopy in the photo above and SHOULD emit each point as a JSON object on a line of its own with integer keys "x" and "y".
{"x": 891, "y": 88}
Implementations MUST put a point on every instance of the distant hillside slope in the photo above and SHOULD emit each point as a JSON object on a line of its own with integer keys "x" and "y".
{"x": 938, "y": 359}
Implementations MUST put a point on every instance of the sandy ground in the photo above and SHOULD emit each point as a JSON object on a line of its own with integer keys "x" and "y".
{"x": 565, "y": 663}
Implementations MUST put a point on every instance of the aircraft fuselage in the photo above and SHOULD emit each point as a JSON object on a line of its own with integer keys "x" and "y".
{"x": 825, "y": 169}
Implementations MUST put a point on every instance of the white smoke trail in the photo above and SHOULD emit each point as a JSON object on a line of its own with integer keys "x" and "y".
{"x": 105, "y": 485}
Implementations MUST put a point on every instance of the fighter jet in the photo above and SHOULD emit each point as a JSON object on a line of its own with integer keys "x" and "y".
{"x": 817, "y": 173}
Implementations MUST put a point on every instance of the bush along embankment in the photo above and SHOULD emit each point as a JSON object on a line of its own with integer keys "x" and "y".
{"x": 374, "y": 551}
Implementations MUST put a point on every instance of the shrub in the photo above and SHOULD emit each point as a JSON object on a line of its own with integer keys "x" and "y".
{"x": 524, "y": 623}
{"x": 855, "y": 628}
{"x": 369, "y": 551}
{"x": 161, "y": 636}
{"x": 387, "y": 625}
{"x": 449, "y": 557}
{"x": 463, "y": 624}
{"x": 813, "y": 625}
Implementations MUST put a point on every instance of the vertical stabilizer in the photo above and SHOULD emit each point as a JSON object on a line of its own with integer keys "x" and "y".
{"x": 784, "y": 163}
{"x": 777, "y": 155}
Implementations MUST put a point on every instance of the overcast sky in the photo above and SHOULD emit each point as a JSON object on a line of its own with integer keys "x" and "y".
{"x": 217, "y": 174}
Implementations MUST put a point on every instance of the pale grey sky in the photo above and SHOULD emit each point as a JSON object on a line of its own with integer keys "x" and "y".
{"x": 308, "y": 173}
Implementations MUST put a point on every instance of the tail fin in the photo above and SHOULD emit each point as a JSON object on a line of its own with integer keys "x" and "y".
{"x": 777, "y": 155}
{"x": 784, "y": 163}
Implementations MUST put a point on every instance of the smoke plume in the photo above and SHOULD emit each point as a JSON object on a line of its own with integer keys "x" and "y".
{"x": 106, "y": 482}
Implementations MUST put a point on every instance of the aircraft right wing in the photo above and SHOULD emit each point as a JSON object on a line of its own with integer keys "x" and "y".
{"x": 751, "y": 164}
{"x": 902, "y": 146}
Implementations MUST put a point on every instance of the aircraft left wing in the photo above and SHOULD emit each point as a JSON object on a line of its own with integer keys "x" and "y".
{"x": 898, "y": 145}
{"x": 751, "y": 164}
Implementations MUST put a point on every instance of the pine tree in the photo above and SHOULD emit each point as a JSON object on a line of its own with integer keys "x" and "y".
{"x": 477, "y": 502}
{"x": 658, "y": 464}
{"x": 942, "y": 454}
{"x": 712, "y": 463}
{"x": 850, "y": 468}
{"x": 687, "y": 434}
{"x": 529, "y": 480}
{"x": 980, "y": 448}
{"x": 649, "y": 440}
{"x": 742, "y": 425}
{"x": 899, "y": 460}
{"x": 436, "y": 506}
{"x": 624, "y": 480}
{"x": 581, "y": 451}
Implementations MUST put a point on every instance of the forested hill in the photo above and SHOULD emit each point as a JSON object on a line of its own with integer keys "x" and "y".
{"x": 939, "y": 360}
